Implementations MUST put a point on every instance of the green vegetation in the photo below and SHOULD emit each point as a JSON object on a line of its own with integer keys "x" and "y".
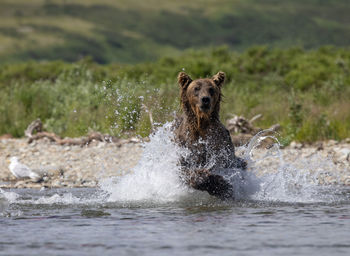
{"x": 130, "y": 31}
{"x": 307, "y": 92}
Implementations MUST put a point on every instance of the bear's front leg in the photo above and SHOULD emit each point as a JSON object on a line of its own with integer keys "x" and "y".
{"x": 214, "y": 184}
{"x": 240, "y": 163}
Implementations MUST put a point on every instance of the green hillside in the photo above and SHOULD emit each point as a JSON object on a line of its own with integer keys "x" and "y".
{"x": 130, "y": 31}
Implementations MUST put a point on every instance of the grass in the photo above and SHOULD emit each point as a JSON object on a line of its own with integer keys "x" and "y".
{"x": 307, "y": 92}
{"x": 137, "y": 31}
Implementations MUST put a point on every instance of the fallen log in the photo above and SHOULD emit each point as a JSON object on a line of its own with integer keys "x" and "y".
{"x": 242, "y": 130}
{"x": 240, "y": 124}
{"x": 6, "y": 136}
{"x": 40, "y": 135}
{"x": 36, "y": 126}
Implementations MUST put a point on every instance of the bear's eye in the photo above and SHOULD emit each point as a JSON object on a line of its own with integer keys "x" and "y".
{"x": 211, "y": 91}
{"x": 196, "y": 88}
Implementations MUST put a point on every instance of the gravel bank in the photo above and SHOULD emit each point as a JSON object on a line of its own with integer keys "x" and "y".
{"x": 67, "y": 166}
{"x": 75, "y": 166}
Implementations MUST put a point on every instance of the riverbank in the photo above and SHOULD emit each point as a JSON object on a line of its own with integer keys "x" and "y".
{"x": 76, "y": 166}
{"x": 67, "y": 166}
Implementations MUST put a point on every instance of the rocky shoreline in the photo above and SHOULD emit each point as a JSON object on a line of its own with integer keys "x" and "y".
{"x": 67, "y": 166}
{"x": 84, "y": 166}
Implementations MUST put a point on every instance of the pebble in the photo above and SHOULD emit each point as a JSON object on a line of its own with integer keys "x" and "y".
{"x": 344, "y": 154}
{"x": 331, "y": 143}
{"x": 347, "y": 182}
{"x": 295, "y": 145}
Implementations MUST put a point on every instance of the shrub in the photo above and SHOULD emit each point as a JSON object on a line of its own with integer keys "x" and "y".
{"x": 306, "y": 92}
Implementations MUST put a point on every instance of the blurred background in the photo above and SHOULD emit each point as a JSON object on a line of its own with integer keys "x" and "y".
{"x": 85, "y": 65}
{"x": 130, "y": 31}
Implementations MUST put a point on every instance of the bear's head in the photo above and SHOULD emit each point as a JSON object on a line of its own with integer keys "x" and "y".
{"x": 201, "y": 97}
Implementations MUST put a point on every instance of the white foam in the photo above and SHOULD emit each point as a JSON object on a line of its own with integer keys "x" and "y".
{"x": 64, "y": 198}
{"x": 8, "y": 196}
{"x": 155, "y": 178}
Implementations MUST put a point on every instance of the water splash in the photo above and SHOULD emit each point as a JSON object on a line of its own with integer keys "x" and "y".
{"x": 288, "y": 180}
{"x": 7, "y": 197}
{"x": 270, "y": 177}
{"x": 155, "y": 179}
{"x": 62, "y": 198}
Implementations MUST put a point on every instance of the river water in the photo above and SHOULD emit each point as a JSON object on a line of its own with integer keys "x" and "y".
{"x": 150, "y": 212}
{"x": 78, "y": 222}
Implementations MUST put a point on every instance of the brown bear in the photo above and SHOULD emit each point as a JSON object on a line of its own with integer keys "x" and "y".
{"x": 208, "y": 144}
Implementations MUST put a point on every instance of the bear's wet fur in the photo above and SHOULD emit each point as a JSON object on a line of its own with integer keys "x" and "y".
{"x": 206, "y": 139}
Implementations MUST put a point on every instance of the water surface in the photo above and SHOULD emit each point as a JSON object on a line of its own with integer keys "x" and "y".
{"x": 75, "y": 222}
{"x": 149, "y": 211}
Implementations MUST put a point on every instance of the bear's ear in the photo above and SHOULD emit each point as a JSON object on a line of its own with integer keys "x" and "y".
{"x": 184, "y": 80}
{"x": 219, "y": 78}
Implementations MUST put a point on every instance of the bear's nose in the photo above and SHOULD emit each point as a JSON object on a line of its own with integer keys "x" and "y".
{"x": 206, "y": 100}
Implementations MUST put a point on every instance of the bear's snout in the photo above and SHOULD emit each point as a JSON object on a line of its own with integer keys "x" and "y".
{"x": 205, "y": 100}
{"x": 205, "y": 103}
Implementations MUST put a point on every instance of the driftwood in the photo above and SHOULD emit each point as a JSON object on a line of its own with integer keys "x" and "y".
{"x": 40, "y": 135}
{"x": 242, "y": 130}
{"x": 36, "y": 126}
{"x": 239, "y": 124}
{"x": 6, "y": 136}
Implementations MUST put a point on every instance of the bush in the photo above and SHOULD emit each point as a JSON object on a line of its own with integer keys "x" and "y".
{"x": 306, "y": 92}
